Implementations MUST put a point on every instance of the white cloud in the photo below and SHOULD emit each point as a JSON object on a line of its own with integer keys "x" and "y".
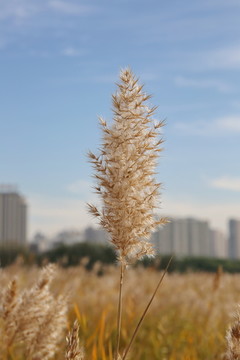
{"x": 72, "y": 52}
{"x": 202, "y": 84}
{"x": 226, "y": 183}
{"x": 229, "y": 123}
{"x": 221, "y": 126}
{"x": 224, "y": 58}
{"x": 70, "y": 8}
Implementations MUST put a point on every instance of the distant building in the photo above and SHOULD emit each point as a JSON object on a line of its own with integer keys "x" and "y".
{"x": 93, "y": 235}
{"x": 218, "y": 244}
{"x": 172, "y": 238}
{"x": 234, "y": 239}
{"x": 13, "y": 217}
{"x": 68, "y": 237}
{"x": 41, "y": 243}
{"x": 183, "y": 237}
{"x": 199, "y": 237}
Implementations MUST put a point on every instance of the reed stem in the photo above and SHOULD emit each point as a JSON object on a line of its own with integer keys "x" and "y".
{"x": 146, "y": 310}
{"x": 119, "y": 316}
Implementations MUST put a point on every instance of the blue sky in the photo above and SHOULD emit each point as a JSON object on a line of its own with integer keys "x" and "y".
{"x": 59, "y": 61}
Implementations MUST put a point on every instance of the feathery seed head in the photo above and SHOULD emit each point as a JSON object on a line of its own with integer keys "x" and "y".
{"x": 233, "y": 338}
{"x": 74, "y": 350}
{"x": 125, "y": 170}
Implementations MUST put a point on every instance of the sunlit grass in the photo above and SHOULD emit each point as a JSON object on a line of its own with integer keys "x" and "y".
{"x": 188, "y": 318}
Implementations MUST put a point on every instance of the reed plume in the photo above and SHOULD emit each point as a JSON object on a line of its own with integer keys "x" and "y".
{"x": 74, "y": 351}
{"x": 9, "y": 299}
{"x": 233, "y": 338}
{"x": 125, "y": 170}
{"x": 34, "y": 318}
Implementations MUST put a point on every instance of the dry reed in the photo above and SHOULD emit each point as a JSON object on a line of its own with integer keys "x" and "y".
{"x": 233, "y": 338}
{"x": 74, "y": 350}
{"x": 190, "y": 325}
{"x": 32, "y": 320}
{"x": 125, "y": 170}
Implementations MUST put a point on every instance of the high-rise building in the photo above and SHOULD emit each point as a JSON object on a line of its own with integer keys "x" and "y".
{"x": 218, "y": 244}
{"x": 234, "y": 239}
{"x": 183, "y": 237}
{"x": 13, "y": 217}
{"x": 198, "y": 237}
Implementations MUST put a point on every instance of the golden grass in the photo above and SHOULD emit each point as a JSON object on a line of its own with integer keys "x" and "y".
{"x": 32, "y": 319}
{"x": 187, "y": 320}
{"x": 188, "y": 317}
{"x": 74, "y": 350}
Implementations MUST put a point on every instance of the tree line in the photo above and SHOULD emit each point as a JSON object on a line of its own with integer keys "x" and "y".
{"x": 91, "y": 253}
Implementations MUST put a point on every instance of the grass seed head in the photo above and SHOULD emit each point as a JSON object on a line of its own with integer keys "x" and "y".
{"x": 74, "y": 350}
{"x": 233, "y": 338}
{"x": 125, "y": 169}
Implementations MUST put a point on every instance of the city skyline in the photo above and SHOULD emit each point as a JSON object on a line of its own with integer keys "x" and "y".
{"x": 95, "y": 225}
{"x": 71, "y": 221}
{"x": 59, "y": 61}
{"x": 181, "y": 237}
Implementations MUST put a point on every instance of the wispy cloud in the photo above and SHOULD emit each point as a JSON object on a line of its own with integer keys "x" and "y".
{"x": 202, "y": 84}
{"x": 221, "y": 126}
{"x": 221, "y": 58}
{"x": 70, "y": 8}
{"x": 18, "y": 9}
{"x": 72, "y": 52}
{"x": 224, "y": 58}
{"x": 23, "y": 9}
{"x": 226, "y": 183}
{"x": 229, "y": 123}
{"x": 213, "y": 59}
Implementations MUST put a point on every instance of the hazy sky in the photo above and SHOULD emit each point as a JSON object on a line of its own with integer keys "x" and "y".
{"x": 59, "y": 61}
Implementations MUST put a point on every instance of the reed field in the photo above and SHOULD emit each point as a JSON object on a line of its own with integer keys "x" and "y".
{"x": 188, "y": 318}
{"x": 121, "y": 312}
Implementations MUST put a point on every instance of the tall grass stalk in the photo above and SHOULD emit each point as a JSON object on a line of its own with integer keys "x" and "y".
{"x": 146, "y": 310}
{"x": 125, "y": 174}
{"x": 119, "y": 316}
